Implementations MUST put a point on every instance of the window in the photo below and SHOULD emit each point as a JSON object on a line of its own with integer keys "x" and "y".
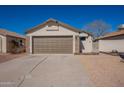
{"x": 83, "y": 38}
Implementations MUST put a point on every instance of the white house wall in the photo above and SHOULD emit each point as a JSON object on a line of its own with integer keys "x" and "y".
{"x": 109, "y": 45}
{"x": 87, "y": 44}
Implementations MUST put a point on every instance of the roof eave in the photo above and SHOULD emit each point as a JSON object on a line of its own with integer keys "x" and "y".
{"x": 61, "y": 23}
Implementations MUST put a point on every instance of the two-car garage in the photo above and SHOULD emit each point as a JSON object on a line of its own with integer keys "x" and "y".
{"x": 54, "y": 37}
{"x": 52, "y": 44}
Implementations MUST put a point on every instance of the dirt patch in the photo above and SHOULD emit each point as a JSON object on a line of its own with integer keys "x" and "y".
{"x": 104, "y": 70}
{"x": 7, "y": 57}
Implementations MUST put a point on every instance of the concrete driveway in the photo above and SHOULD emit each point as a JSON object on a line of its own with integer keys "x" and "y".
{"x": 44, "y": 71}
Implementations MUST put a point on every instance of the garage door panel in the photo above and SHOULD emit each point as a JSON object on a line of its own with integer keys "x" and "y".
{"x": 60, "y": 44}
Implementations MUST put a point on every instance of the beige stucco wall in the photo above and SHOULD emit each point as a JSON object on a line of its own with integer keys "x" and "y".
{"x": 28, "y": 44}
{"x": 87, "y": 44}
{"x": 3, "y": 46}
{"x": 77, "y": 45}
{"x": 60, "y": 31}
{"x": 109, "y": 45}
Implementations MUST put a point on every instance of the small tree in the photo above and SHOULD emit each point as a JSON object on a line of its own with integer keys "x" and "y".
{"x": 98, "y": 28}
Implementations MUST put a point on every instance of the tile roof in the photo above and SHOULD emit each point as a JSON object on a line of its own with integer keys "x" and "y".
{"x": 8, "y": 33}
{"x": 113, "y": 34}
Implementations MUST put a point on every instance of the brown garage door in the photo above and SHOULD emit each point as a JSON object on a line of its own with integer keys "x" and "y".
{"x": 52, "y": 44}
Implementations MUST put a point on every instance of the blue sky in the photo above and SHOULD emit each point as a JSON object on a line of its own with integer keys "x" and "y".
{"x": 21, "y": 18}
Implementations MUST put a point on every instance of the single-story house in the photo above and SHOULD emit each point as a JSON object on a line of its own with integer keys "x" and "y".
{"x": 54, "y": 36}
{"x": 112, "y": 41}
{"x": 7, "y": 40}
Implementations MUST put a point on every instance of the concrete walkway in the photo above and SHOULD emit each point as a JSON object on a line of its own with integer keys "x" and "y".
{"x": 44, "y": 71}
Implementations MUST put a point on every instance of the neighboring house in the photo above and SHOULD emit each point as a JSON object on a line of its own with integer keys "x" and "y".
{"x": 54, "y": 36}
{"x": 112, "y": 41}
{"x": 7, "y": 39}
